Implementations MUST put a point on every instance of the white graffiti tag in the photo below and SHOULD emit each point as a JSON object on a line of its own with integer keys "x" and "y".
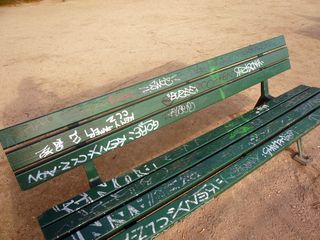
{"x": 276, "y": 144}
{"x": 248, "y": 67}
{"x": 50, "y": 149}
{"x": 115, "y": 121}
{"x": 42, "y": 175}
{"x": 182, "y": 109}
{"x": 159, "y": 83}
{"x": 73, "y": 162}
{"x": 182, "y": 93}
{"x": 144, "y": 128}
{"x": 114, "y": 143}
{"x": 74, "y": 137}
{"x": 197, "y": 198}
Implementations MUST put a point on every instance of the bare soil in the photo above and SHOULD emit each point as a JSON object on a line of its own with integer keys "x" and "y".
{"x": 15, "y": 2}
{"x": 55, "y": 54}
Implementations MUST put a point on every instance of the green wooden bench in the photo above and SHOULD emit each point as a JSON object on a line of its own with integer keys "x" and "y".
{"x": 148, "y": 199}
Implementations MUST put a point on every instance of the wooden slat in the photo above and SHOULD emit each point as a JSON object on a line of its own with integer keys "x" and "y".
{"x": 157, "y": 197}
{"x": 50, "y": 146}
{"x": 137, "y": 173}
{"x": 69, "y": 116}
{"x": 246, "y": 137}
{"x": 76, "y": 158}
{"x": 184, "y": 205}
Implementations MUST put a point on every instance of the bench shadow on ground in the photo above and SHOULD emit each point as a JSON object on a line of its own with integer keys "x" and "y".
{"x": 23, "y": 207}
{"x": 312, "y": 31}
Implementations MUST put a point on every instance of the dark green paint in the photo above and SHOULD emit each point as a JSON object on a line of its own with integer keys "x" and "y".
{"x": 201, "y": 102}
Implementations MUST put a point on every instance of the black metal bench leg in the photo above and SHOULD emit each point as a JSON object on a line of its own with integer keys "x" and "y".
{"x": 92, "y": 174}
{"x": 300, "y": 156}
{"x": 265, "y": 96}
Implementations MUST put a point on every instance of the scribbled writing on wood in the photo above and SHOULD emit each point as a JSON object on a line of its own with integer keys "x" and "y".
{"x": 278, "y": 143}
{"x": 105, "y": 188}
{"x": 184, "y": 206}
{"x": 115, "y": 121}
{"x": 142, "y": 129}
{"x": 181, "y": 109}
{"x": 112, "y": 122}
{"x": 185, "y": 92}
{"x": 160, "y": 83}
{"x": 248, "y": 67}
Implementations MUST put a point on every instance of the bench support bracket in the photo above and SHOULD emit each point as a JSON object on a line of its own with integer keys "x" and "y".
{"x": 92, "y": 174}
{"x": 265, "y": 96}
{"x": 300, "y": 157}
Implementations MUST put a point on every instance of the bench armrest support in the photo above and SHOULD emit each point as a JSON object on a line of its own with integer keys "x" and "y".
{"x": 92, "y": 174}
{"x": 265, "y": 96}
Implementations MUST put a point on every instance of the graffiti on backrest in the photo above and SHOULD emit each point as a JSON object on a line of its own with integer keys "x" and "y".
{"x": 248, "y": 67}
{"x": 182, "y": 208}
{"x": 144, "y": 128}
{"x": 42, "y": 175}
{"x": 182, "y": 93}
{"x": 277, "y": 143}
{"x": 159, "y": 83}
{"x": 50, "y": 149}
{"x": 113, "y": 122}
{"x": 184, "y": 108}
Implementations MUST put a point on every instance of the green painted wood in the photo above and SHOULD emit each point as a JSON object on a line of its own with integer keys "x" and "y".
{"x": 167, "y": 216}
{"x": 247, "y": 140}
{"x": 69, "y": 116}
{"x": 76, "y": 158}
{"x": 157, "y": 197}
{"x": 92, "y": 173}
{"x": 89, "y": 131}
{"x": 82, "y": 200}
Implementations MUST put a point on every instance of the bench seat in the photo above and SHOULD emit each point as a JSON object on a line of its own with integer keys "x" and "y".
{"x": 143, "y": 202}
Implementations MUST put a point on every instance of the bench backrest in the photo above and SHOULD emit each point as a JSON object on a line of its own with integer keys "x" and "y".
{"x": 48, "y": 146}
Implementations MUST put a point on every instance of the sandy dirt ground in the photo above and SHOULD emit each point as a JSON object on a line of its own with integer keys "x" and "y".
{"x": 54, "y": 54}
